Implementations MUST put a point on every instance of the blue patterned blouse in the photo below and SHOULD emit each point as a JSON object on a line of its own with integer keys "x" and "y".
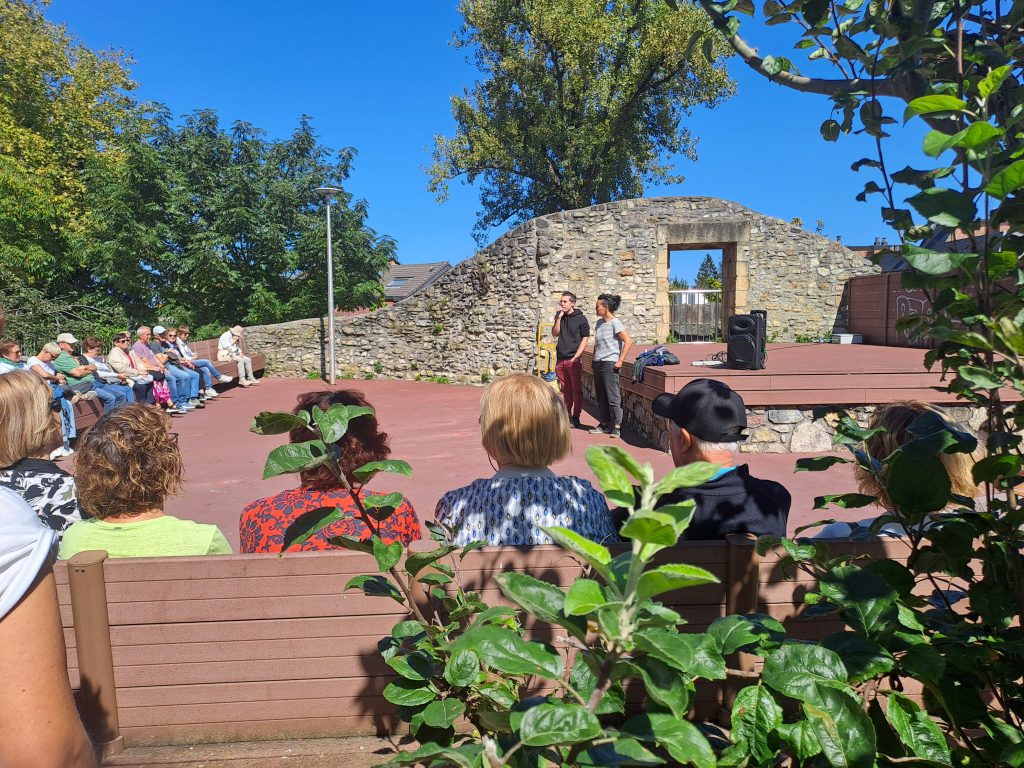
{"x": 506, "y": 509}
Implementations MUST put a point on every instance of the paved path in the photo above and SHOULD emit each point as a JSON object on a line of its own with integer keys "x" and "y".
{"x": 433, "y": 426}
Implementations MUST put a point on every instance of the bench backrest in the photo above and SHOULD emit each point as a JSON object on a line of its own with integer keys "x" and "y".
{"x": 265, "y": 647}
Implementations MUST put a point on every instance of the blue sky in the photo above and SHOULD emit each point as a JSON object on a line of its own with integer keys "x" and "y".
{"x": 378, "y": 77}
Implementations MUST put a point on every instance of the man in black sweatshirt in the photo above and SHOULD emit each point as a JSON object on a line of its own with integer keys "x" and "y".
{"x": 707, "y": 422}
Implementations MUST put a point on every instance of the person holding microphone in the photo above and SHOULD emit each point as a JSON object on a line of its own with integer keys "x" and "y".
{"x": 572, "y": 330}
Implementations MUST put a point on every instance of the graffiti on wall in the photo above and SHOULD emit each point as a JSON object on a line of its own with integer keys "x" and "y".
{"x": 909, "y": 306}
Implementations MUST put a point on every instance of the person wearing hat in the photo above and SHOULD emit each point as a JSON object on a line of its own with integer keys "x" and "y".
{"x": 229, "y": 347}
{"x": 707, "y": 422}
{"x": 78, "y": 370}
{"x": 186, "y": 379}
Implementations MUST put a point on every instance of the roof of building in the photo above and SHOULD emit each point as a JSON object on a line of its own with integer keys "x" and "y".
{"x": 403, "y": 280}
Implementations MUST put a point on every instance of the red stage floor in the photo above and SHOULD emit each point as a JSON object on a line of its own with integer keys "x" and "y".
{"x": 433, "y": 426}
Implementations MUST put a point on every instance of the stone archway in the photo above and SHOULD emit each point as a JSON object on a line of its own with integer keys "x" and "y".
{"x": 732, "y": 238}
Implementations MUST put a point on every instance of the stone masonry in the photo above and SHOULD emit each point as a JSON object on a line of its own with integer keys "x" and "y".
{"x": 480, "y": 319}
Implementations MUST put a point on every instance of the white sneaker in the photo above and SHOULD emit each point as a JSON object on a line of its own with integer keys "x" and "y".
{"x": 211, "y": 393}
{"x": 90, "y": 395}
{"x": 61, "y": 453}
{"x": 225, "y": 379}
{"x": 244, "y": 382}
{"x": 254, "y": 381}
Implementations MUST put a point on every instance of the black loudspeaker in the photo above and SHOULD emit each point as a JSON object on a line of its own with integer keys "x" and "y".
{"x": 746, "y": 348}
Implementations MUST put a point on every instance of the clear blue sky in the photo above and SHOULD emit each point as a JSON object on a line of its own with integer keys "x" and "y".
{"x": 378, "y": 76}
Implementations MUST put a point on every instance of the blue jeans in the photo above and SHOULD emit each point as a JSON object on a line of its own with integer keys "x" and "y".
{"x": 183, "y": 383}
{"x": 68, "y": 430}
{"x": 113, "y": 396}
{"x": 208, "y": 371}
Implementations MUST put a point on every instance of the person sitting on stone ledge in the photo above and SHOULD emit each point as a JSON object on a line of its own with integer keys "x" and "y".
{"x": 707, "y": 421}
{"x": 524, "y": 428}
{"x": 263, "y": 523}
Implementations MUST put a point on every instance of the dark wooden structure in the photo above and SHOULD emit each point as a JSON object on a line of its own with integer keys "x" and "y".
{"x": 878, "y": 302}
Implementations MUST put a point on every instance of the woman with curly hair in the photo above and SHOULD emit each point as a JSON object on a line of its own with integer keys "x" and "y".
{"x": 127, "y": 464}
{"x": 263, "y": 523}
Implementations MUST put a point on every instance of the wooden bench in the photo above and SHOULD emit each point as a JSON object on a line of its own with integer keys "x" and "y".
{"x": 208, "y": 649}
{"x": 88, "y": 411}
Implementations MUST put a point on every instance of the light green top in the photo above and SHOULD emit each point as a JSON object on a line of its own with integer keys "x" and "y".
{"x": 160, "y": 537}
{"x": 65, "y": 363}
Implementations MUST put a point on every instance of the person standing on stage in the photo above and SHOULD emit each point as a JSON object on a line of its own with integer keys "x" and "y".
{"x": 572, "y": 330}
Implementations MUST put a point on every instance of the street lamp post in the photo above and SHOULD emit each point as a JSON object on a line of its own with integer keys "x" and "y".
{"x": 327, "y": 193}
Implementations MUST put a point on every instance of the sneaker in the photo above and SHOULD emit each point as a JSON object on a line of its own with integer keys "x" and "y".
{"x": 243, "y": 382}
{"x": 61, "y": 453}
{"x": 614, "y": 432}
{"x": 574, "y": 421}
{"x": 211, "y": 393}
{"x": 254, "y": 381}
{"x": 173, "y": 409}
{"x": 77, "y": 397}
{"x": 199, "y": 404}
{"x": 194, "y": 402}
{"x": 90, "y": 395}
{"x": 225, "y": 379}
{"x": 598, "y": 430}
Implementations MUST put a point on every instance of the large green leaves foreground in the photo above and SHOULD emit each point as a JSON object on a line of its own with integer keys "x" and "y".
{"x": 457, "y": 659}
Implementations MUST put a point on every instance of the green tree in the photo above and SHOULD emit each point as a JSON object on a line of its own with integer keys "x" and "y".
{"x": 580, "y": 103}
{"x": 708, "y": 273}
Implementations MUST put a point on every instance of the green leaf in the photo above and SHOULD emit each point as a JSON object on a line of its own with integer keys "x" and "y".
{"x": 620, "y": 752}
{"x": 295, "y": 457}
{"x": 819, "y": 463}
{"x": 688, "y": 476}
{"x": 584, "y": 596}
{"x": 610, "y": 476}
{"x": 351, "y": 542}
{"x": 541, "y": 599}
{"x": 644, "y": 473}
{"x": 695, "y": 654}
{"x": 683, "y": 740}
{"x": 977, "y": 135}
{"x": 462, "y": 669}
{"x": 991, "y": 82}
{"x": 417, "y": 562}
{"x": 650, "y": 527}
{"x": 664, "y": 684}
{"x": 387, "y": 555}
{"x": 1007, "y": 181}
{"x": 442, "y": 713}
{"x": 597, "y": 556}
{"x": 674, "y": 576}
{"x": 797, "y": 669}
{"x": 394, "y": 466}
{"x": 908, "y": 493}
{"x": 733, "y": 633}
{"x": 505, "y": 651}
{"x": 844, "y": 500}
{"x": 333, "y": 422}
{"x": 755, "y": 715}
{"x": 830, "y": 130}
{"x": 933, "y": 262}
{"x": 944, "y": 206}
{"x": 979, "y": 377}
{"x": 375, "y": 586}
{"x": 929, "y": 105}
{"x": 558, "y": 724}
{"x": 800, "y": 736}
{"x": 278, "y": 422}
{"x": 863, "y": 658}
{"x": 382, "y": 506}
{"x": 309, "y": 523}
{"x": 917, "y": 730}
{"x": 409, "y": 693}
{"x": 842, "y": 728}
{"x": 937, "y": 142}
{"x": 583, "y": 680}
{"x": 868, "y": 601}
{"x": 417, "y": 666}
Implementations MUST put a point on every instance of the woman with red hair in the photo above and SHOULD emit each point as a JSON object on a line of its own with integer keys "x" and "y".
{"x": 264, "y": 522}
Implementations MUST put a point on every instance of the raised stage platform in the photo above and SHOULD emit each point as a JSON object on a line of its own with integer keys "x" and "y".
{"x": 797, "y": 377}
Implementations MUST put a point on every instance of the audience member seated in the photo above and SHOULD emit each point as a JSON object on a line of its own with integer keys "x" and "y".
{"x": 64, "y": 396}
{"x": 188, "y": 379}
{"x": 263, "y": 523}
{"x": 205, "y": 368}
{"x": 229, "y": 347}
{"x": 10, "y": 357}
{"x": 895, "y": 418}
{"x": 524, "y": 428}
{"x": 38, "y": 719}
{"x": 30, "y": 431}
{"x": 141, "y": 386}
{"x": 707, "y": 421}
{"x": 155, "y": 363}
{"x": 78, "y": 370}
{"x": 127, "y": 465}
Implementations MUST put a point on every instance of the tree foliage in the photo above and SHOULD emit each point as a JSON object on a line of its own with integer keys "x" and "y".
{"x": 708, "y": 274}
{"x": 108, "y": 208}
{"x": 581, "y": 102}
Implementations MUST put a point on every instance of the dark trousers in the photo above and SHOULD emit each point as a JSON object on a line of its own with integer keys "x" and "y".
{"x": 609, "y": 397}
{"x": 570, "y": 381}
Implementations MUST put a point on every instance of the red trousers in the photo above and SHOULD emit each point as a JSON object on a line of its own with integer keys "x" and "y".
{"x": 570, "y": 381}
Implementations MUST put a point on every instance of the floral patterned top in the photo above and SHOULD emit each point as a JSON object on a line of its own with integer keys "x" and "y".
{"x": 263, "y": 523}
{"x": 508, "y": 508}
{"x": 47, "y": 488}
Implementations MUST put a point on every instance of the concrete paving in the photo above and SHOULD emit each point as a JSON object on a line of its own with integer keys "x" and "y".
{"x": 432, "y": 426}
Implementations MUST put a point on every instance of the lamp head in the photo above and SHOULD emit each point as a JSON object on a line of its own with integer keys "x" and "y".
{"x": 327, "y": 192}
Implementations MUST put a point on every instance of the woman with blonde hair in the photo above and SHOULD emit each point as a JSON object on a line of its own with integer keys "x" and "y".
{"x": 524, "y": 428}
{"x": 127, "y": 465}
{"x": 895, "y": 419}
{"x": 30, "y": 432}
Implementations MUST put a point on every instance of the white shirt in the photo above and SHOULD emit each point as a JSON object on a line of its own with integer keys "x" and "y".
{"x": 227, "y": 342}
{"x": 33, "y": 361}
{"x": 26, "y": 545}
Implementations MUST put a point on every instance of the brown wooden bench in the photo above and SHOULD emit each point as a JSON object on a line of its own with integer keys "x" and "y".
{"x": 88, "y": 411}
{"x": 207, "y": 649}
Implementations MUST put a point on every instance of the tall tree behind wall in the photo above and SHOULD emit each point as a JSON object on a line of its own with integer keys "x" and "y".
{"x": 581, "y": 103}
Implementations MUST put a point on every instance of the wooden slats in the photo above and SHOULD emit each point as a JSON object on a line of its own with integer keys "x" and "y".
{"x": 315, "y": 725}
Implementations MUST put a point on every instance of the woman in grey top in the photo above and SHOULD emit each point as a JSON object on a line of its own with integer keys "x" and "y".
{"x": 611, "y": 345}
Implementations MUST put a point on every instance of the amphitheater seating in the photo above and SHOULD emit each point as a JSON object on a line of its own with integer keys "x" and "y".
{"x": 176, "y": 650}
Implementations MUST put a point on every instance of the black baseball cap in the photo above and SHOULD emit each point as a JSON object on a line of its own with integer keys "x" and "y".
{"x": 707, "y": 409}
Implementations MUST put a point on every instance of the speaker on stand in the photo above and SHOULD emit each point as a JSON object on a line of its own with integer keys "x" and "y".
{"x": 745, "y": 348}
